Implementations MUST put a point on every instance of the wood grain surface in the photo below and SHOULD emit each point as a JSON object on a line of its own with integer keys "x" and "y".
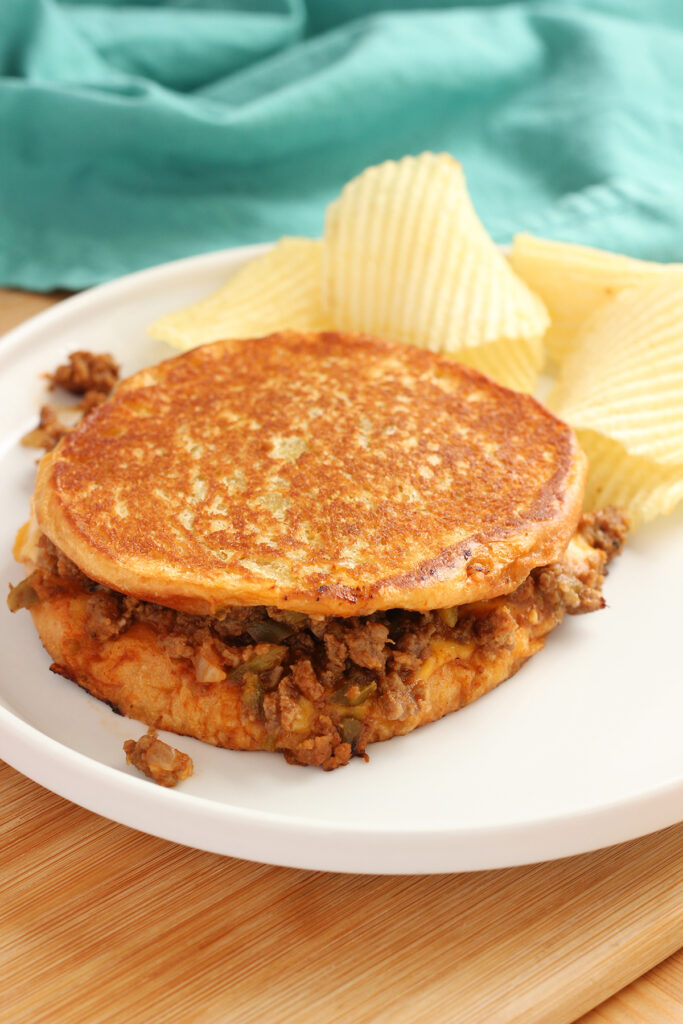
{"x": 103, "y": 924}
{"x": 17, "y": 306}
{"x": 99, "y": 923}
{"x": 657, "y": 996}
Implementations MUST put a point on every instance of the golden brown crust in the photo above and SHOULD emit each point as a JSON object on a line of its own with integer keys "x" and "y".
{"x": 138, "y": 679}
{"x": 321, "y": 473}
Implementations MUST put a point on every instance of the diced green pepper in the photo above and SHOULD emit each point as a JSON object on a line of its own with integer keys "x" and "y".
{"x": 252, "y": 692}
{"x": 294, "y": 618}
{"x": 353, "y": 695}
{"x": 22, "y": 596}
{"x": 351, "y": 729}
{"x": 268, "y": 631}
{"x": 262, "y": 662}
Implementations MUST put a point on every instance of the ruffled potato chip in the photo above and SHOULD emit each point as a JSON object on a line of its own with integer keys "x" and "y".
{"x": 625, "y": 377}
{"x": 276, "y": 291}
{"x": 643, "y": 487}
{"x": 515, "y": 365}
{"x": 406, "y": 257}
{"x": 574, "y": 281}
{"x": 622, "y": 390}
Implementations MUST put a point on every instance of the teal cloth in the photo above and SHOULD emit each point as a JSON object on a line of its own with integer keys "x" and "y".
{"x": 137, "y": 132}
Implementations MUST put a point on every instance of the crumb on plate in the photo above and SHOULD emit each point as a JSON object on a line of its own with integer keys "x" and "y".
{"x": 157, "y": 760}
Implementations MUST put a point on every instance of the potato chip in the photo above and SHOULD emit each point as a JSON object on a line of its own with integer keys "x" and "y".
{"x": 276, "y": 291}
{"x": 574, "y": 281}
{"x": 516, "y": 366}
{"x": 406, "y": 257}
{"x": 642, "y": 487}
{"x": 625, "y": 377}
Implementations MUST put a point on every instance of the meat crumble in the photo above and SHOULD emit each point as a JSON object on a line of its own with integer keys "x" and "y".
{"x": 50, "y": 430}
{"x": 91, "y": 375}
{"x": 86, "y": 372}
{"x": 317, "y": 683}
{"x": 158, "y": 760}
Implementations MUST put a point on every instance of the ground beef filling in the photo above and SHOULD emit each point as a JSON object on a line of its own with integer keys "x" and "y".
{"x": 339, "y": 672}
{"x": 93, "y": 377}
{"x": 86, "y": 373}
{"x": 157, "y": 760}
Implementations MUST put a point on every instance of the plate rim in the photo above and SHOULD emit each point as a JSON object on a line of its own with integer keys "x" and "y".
{"x": 128, "y": 798}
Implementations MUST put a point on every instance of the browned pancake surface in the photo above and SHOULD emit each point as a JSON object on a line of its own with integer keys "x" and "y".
{"x": 318, "y": 473}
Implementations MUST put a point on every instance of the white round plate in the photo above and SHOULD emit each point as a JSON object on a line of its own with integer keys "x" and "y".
{"x": 583, "y": 748}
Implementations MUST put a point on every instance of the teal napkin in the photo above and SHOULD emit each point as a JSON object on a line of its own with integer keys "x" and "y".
{"x": 137, "y": 132}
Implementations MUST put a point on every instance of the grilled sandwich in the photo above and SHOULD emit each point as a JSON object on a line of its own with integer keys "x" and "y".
{"x": 307, "y": 543}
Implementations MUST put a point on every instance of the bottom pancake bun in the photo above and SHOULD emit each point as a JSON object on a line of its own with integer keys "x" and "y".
{"x": 317, "y": 689}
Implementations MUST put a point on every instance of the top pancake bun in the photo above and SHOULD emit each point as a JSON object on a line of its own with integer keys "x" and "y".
{"x": 325, "y": 473}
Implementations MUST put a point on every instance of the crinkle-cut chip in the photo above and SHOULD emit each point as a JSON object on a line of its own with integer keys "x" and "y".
{"x": 642, "y": 487}
{"x": 406, "y": 257}
{"x": 514, "y": 365}
{"x": 625, "y": 377}
{"x": 278, "y": 290}
{"x": 574, "y": 281}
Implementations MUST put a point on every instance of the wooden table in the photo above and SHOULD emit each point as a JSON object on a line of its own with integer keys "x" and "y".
{"x": 99, "y": 923}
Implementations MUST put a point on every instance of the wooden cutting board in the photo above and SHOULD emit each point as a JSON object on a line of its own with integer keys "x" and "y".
{"x": 102, "y": 924}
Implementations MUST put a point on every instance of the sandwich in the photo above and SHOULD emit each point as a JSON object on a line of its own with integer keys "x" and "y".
{"x": 307, "y": 543}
